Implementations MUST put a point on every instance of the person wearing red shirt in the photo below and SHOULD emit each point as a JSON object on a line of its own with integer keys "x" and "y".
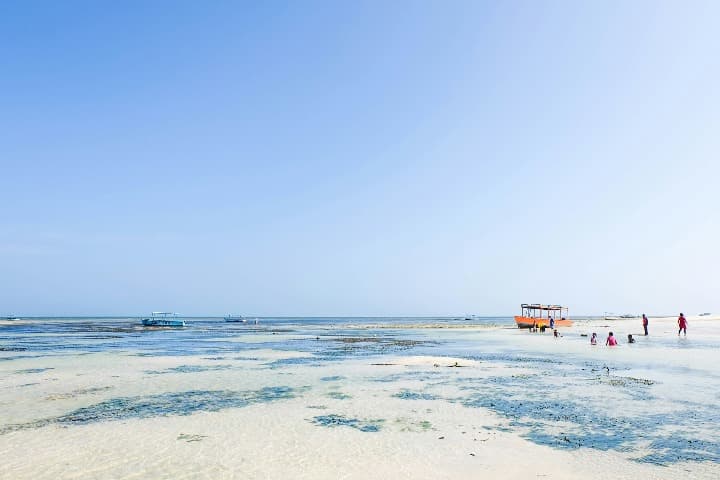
{"x": 645, "y": 324}
{"x": 682, "y": 323}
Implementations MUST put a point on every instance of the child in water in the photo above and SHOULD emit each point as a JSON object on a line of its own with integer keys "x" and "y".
{"x": 611, "y": 341}
{"x": 593, "y": 339}
{"x": 630, "y": 338}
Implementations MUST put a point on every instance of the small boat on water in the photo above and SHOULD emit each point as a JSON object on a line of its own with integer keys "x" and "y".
{"x": 163, "y": 319}
{"x": 235, "y": 318}
{"x": 538, "y": 315}
{"x": 12, "y": 318}
{"x": 703, "y": 314}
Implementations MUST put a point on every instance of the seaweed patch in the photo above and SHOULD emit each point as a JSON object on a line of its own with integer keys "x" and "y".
{"x": 408, "y": 395}
{"x": 408, "y": 425}
{"x": 670, "y": 449}
{"x": 419, "y": 375}
{"x": 342, "y": 421}
{"x": 166, "y": 404}
{"x": 77, "y": 393}
{"x": 308, "y": 361}
{"x": 372, "y": 345}
{"x": 191, "y": 437}
{"x": 569, "y": 423}
{"x": 338, "y": 395}
{"x": 33, "y": 370}
{"x": 189, "y": 369}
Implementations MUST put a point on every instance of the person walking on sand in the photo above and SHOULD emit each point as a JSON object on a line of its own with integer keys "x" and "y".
{"x": 682, "y": 323}
{"x": 611, "y": 341}
{"x": 645, "y": 324}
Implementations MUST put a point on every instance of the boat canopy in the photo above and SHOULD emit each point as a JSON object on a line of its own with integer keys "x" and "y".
{"x": 537, "y": 306}
{"x": 537, "y": 310}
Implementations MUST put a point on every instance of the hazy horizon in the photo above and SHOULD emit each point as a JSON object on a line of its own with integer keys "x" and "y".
{"x": 371, "y": 158}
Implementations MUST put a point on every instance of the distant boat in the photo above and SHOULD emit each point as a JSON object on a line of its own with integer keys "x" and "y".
{"x": 163, "y": 319}
{"x": 612, "y": 316}
{"x": 703, "y": 314}
{"x": 538, "y": 315}
{"x": 235, "y": 318}
{"x": 11, "y": 318}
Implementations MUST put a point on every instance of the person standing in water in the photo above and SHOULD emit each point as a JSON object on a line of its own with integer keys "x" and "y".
{"x": 682, "y": 323}
{"x": 611, "y": 341}
{"x": 645, "y": 324}
{"x": 593, "y": 339}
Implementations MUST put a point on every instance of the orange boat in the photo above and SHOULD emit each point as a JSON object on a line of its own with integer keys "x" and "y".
{"x": 537, "y": 315}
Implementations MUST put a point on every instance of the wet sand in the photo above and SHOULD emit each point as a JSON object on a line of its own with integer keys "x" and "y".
{"x": 408, "y": 403}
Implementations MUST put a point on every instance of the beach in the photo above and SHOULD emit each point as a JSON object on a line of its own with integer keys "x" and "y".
{"x": 357, "y": 398}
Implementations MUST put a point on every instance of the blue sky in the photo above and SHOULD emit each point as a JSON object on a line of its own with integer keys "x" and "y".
{"x": 359, "y": 158}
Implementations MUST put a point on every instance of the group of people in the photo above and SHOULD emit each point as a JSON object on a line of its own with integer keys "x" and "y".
{"x": 611, "y": 340}
{"x": 535, "y": 328}
{"x": 682, "y": 324}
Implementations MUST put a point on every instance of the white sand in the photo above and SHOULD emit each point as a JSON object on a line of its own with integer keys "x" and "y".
{"x": 279, "y": 440}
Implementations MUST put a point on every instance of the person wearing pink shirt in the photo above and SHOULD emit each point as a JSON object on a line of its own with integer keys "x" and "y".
{"x": 611, "y": 341}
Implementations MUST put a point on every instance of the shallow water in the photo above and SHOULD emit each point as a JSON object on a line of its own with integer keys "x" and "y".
{"x": 653, "y": 402}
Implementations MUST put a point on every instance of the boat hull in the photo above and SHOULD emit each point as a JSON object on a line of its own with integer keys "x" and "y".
{"x": 528, "y": 322}
{"x": 236, "y": 319}
{"x": 151, "y": 322}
